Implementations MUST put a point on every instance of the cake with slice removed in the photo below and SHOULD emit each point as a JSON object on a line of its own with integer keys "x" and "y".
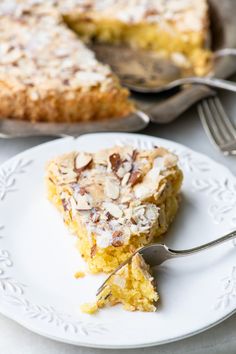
{"x": 47, "y": 74}
{"x": 177, "y": 29}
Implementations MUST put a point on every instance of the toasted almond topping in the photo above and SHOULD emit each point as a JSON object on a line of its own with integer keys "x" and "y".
{"x": 115, "y": 161}
{"x": 151, "y": 212}
{"x": 161, "y": 151}
{"x": 113, "y": 200}
{"x": 117, "y": 243}
{"x": 67, "y": 175}
{"x": 82, "y": 160}
{"x": 116, "y": 239}
{"x": 95, "y": 216}
{"x": 116, "y": 234}
{"x": 113, "y": 209}
{"x": 108, "y": 216}
{"x": 125, "y": 199}
{"x": 82, "y": 202}
{"x": 93, "y": 250}
{"x": 73, "y": 204}
{"x": 65, "y": 204}
{"x": 170, "y": 160}
{"x": 135, "y": 177}
{"x": 125, "y": 179}
{"x": 125, "y": 167}
{"x": 64, "y": 170}
{"x": 100, "y": 158}
{"x": 112, "y": 189}
{"x": 134, "y": 155}
{"x": 82, "y": 191}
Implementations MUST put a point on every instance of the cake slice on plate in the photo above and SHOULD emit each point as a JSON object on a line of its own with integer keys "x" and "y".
{"x": 115, "y": 200}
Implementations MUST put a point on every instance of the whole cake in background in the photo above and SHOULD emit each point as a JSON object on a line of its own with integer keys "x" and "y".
{"x": 48, "y": 74}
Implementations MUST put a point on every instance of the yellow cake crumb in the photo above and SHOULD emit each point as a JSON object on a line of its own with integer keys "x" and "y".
{"x": 132, "y": 286}
{"x": 79, "y": 275}
{"x": 89, "y": 308}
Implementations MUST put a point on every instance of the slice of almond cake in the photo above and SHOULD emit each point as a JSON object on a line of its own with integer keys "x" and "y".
{"x": 115, "y": 200}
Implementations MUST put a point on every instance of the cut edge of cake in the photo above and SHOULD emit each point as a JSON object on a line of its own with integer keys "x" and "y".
{"x": 174, "y": 29}
{"x": 132, "y": 286}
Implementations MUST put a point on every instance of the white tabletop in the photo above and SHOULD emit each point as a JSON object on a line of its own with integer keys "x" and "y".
{"x": 221, "y": 339}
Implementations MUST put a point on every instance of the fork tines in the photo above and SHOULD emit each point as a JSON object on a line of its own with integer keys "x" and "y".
{"x": 217, "y": 125}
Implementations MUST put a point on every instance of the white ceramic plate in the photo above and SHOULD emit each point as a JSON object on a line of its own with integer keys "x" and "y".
{"x": 38, "y": 257}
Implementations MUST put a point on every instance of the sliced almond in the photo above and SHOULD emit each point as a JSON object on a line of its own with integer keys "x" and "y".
{"x": 65, "y": 204}
{"x": 160, "y": 151}
{"x": 93, "y": 250}
{"x": 125, "y": 179}
{"x": 108, "y": 216}
{"x": 134, "y": 155}
{"x": 82, "y": 191}
{"x": 116, "y": 239}
{"x": 113, "y": 209}
{"x": 82, "y": 202}
{"x": 73, "y": 205}
{"x": 124, "y": 168}
{"x": 95, "y": 216}
{"x": 133, "y": 221}
{"x": 112, "y": 189}
{"x": 170, "y": 160}
{"x": 125, "y": 199}
{"x": 128, "y": 213}
{"x": 100, "y": 158}
{"x": 151, "y": 212}
{"x": 68, "y": 176}
{"x": 115, "y": 161}
{"x": 135, "y": 177}
{"x": 82, "y": 160}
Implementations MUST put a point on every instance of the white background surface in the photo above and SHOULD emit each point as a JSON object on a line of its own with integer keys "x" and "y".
{"x": 221, "y": 339}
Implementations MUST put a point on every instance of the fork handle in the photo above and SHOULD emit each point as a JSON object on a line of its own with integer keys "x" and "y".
{"x": 230, "y": 236}
{"x": 172, "y": 107}
{"x": 209, "y": 81}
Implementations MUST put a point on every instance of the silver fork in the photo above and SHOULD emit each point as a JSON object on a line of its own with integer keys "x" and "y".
{"x": 217, "y": 125}
{"x": 156, "y": 254}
